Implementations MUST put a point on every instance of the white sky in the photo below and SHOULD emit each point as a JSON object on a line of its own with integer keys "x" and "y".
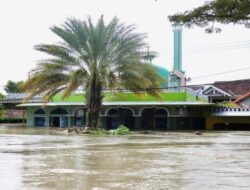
{"x": 26, "y": 23}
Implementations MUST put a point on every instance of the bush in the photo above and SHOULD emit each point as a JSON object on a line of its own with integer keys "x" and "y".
{"x": 12, "y": 120}
{"x": 121, "y": 130}
{"x": 99, "y": 132}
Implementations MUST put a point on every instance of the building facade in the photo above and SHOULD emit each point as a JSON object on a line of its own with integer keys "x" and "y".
{"x": 176, "y": 110}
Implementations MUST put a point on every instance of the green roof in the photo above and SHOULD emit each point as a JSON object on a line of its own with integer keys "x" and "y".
{"x": 128, "y": 96}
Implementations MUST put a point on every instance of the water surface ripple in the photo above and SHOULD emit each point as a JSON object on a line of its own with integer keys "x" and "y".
{"x": 41, "y": 159}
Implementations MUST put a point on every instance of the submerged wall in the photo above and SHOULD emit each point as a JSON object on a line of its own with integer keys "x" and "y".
{"x": 228, "y": 123}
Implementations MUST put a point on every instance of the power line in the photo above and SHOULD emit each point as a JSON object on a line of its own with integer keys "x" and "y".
{"x": 218, "y": 47}
{"x": 203, "y": 76}
{"x": 220, "y": 44}
{"x": 215, "y": 50}
{"x": 221, "y": 73}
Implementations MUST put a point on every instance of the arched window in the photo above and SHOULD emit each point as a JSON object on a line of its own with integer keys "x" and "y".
{"x": 120, "y": 116}
{"x": 160, "y": 119}
{"x": 113, "y": 112}
{"x": 79, "y": 113}
{"x": 154, "y": 118}
{"x": 39, "y": 112}
{"x": 39, "y": 119}
{"x": 80, "y": 119}
{"x": 59, "y": 118}
{"x": 58, "y": 111}
{"x": 159, "y": 112}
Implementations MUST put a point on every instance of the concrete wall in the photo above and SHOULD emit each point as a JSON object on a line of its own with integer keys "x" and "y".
{"x": 210, "y": 121}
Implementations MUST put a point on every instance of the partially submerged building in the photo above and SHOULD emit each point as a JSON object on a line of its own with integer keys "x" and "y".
{"x": 179, "y": 108}
{"x": 175, "y": 110}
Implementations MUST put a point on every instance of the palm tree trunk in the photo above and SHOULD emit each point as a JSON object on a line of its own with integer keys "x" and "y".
{"x": 94, "y": 98}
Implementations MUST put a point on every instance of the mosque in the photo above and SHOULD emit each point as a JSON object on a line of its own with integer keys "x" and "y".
{"x": 180, "y": 107}
{"x": 147, "y": 113}
{"x": 176, "y": 77}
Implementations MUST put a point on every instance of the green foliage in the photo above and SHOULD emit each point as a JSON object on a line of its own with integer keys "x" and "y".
{"x": 2, "y": 96}
{"x": 221, "y": 11}
{"x": 94, "y": 57}
{"x": 99, "y": 132}
{"x": 11, "y": 120}
{"x": 13, "y": 87}
{"x": 121, "y": 130}
{"x": 1, "y": 113}
{"x": 1, "y": 108}
{"x": 229, "y": 104}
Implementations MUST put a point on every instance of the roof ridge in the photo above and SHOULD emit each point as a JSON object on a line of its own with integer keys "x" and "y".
{"x": 242, "y": 97}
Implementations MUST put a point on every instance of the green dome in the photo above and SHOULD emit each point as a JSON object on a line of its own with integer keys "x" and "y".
{"x": 164, "y": 74}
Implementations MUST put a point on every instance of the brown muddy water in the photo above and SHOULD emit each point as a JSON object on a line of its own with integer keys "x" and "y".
{"x": 42, "y": 159}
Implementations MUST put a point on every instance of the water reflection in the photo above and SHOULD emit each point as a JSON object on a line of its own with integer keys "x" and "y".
{"x": 41, "y": 159}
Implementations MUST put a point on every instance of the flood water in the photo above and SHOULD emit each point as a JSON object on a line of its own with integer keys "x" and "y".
{"x": 41, "y": 159}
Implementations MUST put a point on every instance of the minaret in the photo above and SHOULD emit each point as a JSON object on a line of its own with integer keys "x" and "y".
{"x": 177, "y": 29}
{"x": 177, "y": 77}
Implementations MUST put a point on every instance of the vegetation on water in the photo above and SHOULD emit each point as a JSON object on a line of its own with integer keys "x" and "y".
{"x": 93, "y": 57}
{"x": 121, "y": 130}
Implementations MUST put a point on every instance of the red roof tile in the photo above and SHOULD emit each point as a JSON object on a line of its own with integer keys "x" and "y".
{"x": 236, "y": 88}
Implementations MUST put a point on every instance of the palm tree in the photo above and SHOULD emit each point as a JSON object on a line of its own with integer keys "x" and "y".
{"x": 93, "y": 57}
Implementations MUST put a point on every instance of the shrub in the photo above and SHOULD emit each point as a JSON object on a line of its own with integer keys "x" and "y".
{"x": 12, "y": 120}
{"x": 99, "y": 132}
{"x": 121, "y": 130}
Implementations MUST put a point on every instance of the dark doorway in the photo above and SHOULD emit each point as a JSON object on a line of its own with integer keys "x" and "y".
{"x": 113, "y": 119}
{"x": 199, "y": 123}
{"x": 161, "y": 119}
{"x": 127, "y": 119}
{"x": 59, "y": 118}
{"x": 154, "y": 119}
{"x": 55, "y": 122}
{"x": 80, "y": 119}
{"x": 39, "y": 121}
{"x": 147, "y": 122}
{"x": 120, "y": 116}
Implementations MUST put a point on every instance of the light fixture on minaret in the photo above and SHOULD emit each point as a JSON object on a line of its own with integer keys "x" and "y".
{"x": 149, "y": 56}
{"x": 177, "y": 76}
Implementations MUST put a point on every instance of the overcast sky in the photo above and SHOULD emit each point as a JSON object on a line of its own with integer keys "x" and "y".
{"x": 26, "y": 23}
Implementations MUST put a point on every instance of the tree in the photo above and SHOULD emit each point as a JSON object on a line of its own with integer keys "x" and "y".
{"x": 221, "y": 11}
{"x": 1, "y": 107}
{"x": 13, "y": 87}
{"x": 93, "y": 57}
{"x": 1, "y": 96}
